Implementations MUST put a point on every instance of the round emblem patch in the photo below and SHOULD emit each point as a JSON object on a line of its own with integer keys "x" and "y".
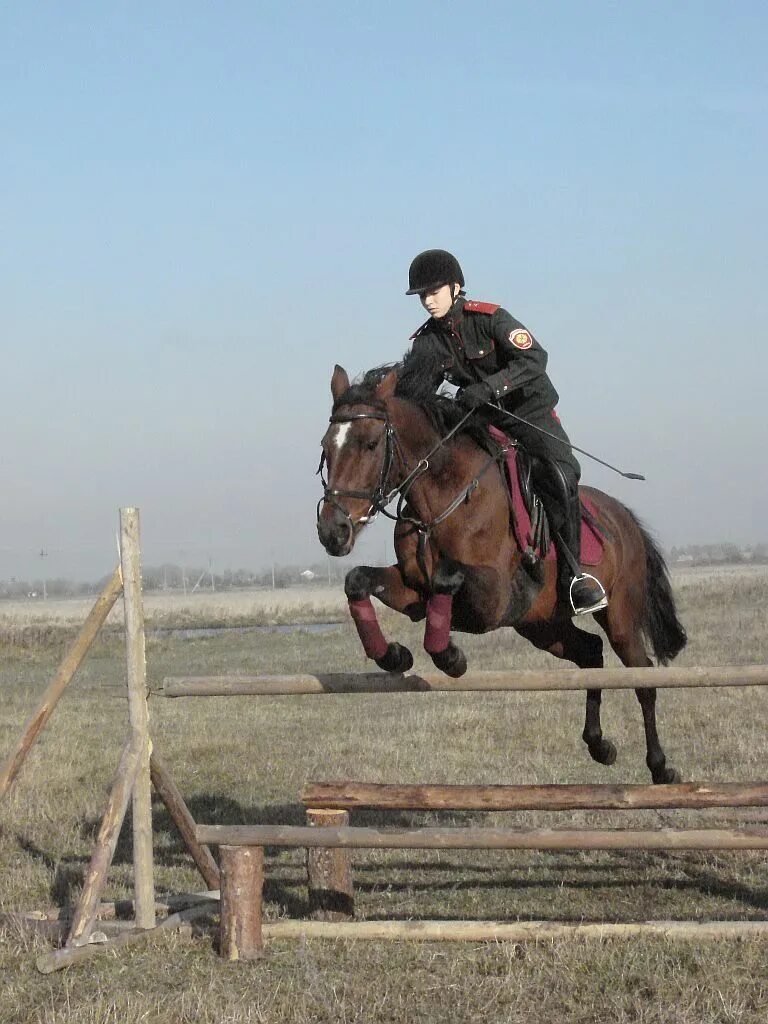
{"x": 520, "y": 339}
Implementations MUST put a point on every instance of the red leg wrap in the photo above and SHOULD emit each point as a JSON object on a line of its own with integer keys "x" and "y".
{"x": 364, "y": 614}
{"x": 437, "y": 635}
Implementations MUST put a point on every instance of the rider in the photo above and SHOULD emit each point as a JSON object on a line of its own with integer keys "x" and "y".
{"x": 493, "y": 359}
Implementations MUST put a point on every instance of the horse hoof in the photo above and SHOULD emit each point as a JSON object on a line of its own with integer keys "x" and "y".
{"x": 452, "y": 661}
{"x": 603, "y": 752}
{"x": 396, "y": 658}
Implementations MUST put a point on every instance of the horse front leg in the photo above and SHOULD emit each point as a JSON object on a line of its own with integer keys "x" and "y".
{"x": 387, "y": 585}
{"x": 446, "y": 582}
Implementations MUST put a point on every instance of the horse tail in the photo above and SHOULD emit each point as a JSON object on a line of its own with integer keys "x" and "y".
{"x": 661, "y": 626}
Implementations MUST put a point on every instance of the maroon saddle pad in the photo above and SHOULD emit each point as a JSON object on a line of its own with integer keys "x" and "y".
{"x": 591, "y": 540}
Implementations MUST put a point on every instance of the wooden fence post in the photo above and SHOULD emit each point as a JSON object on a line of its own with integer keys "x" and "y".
{"x": 130, "y": 560}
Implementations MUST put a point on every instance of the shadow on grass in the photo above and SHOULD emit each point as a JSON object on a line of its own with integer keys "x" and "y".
{"x": 217, "y": 809}
{"x": 68, "y": 872}
{"x": 700, "y": 877}
{"x": 703, "y": 884}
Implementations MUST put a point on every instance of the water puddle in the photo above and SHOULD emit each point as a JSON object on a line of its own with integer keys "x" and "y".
{"x": 212, "y": 631}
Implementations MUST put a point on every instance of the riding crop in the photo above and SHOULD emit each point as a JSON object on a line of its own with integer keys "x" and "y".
{"x": 512, "y": 416}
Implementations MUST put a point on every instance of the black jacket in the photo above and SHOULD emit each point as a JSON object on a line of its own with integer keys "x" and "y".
{"x": 480, "y": 341}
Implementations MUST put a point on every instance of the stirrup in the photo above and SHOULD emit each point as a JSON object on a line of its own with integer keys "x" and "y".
{"x": 601, "y": 602}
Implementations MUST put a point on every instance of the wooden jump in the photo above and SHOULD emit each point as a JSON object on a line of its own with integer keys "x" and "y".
{"x": 432, "y": 682}
{"x": 242, "y": 877}
{"x": 330, "y": 884}
{"x": 329, "y": 837}
{"x": 329, "y": 877}
{"x": 350, "y": 796}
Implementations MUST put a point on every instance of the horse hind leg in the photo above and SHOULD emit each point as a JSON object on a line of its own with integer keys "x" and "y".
{"x": 630, "y": 648}
{"x": 586, "y": 651}
{"x": 600, "y": 748}
{"x": 661, "y": 772}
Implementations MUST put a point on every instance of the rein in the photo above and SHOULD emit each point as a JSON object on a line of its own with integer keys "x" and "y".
{"x": 381, "y": 496}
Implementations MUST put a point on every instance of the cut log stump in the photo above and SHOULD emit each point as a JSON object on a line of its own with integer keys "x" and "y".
{"x": 329, "y": 873}
{"x": 242, "y": 884}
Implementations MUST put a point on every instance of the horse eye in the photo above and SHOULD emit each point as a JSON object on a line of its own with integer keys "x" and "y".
{"x": 372, "y": 446}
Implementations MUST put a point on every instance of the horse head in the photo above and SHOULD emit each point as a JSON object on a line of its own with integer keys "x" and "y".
{"x": 358, "y": 455}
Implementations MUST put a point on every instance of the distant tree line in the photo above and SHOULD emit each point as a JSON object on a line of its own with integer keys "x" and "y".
{"x": 175, "y": 577}
{"x": 719, "y": 554}
{"x": 187, "y": 579}
{"x": 16, "y": 589}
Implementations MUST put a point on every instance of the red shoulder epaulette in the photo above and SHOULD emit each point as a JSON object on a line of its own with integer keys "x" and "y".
{"x": 471, "y": 306}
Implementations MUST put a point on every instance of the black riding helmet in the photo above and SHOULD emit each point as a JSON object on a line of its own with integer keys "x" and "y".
{"x": 432, "y": 269}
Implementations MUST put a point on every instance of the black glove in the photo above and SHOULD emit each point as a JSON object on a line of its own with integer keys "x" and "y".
{"x": 475, "y": 395}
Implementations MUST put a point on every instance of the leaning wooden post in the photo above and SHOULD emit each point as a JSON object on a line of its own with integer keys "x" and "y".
{"x": 73, "y": 659}
{"x": 242, "y": 883}
{"x": 106, "y": 841}
{"x": 181, "y": 922}
{"x": 130, "y": 560}
{"x": 183, "y": 820}
{"x": 329, "y": 873}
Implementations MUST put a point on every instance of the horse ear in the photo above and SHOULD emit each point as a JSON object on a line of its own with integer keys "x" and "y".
{"x": 386, "y": 387}
{"x": 339, "y": 382}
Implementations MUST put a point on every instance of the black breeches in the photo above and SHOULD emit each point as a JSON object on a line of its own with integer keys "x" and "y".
{"x": 555, "y": 490}
{"x": 554, "y": 445}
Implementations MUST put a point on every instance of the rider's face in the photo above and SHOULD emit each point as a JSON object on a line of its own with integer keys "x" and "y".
{"x": 438, "y": 301}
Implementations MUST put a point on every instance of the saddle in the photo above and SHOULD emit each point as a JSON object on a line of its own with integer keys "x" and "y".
{"x": 529, "y": 520}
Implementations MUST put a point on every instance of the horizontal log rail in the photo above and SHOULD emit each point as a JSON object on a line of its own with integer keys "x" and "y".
{"x": 511, "y": 931}
{"x": 428, "y": 682}
{"x": 349, "y": 796}
{"x": 350, "y": 838}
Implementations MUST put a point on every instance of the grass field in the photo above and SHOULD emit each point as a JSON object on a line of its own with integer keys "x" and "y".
{"x": 245, "y": 760}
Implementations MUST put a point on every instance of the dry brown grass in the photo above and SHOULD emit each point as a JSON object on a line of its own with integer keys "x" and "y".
{"x": 262, "y": 606}
{"x": 245, "y": 760}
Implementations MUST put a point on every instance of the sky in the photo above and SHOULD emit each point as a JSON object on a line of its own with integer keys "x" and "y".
{"x": 204, "y": 207}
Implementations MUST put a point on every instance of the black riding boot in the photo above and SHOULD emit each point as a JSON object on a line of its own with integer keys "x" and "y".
{"x": 584, "y": 593}
{"x": 558, "y": 489}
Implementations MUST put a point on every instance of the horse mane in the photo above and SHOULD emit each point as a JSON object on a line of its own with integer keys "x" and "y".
{"x": 416, "y": 375}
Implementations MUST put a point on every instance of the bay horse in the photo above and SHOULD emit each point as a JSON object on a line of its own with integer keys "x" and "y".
{"x": 458, "y": 563}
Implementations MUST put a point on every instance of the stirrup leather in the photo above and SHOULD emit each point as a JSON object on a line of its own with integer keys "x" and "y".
{"x": 601, "y": 602}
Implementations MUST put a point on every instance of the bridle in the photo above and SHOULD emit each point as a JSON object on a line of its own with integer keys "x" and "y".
{"x": 382, "y": 495}
{"x": 379, "y": 497}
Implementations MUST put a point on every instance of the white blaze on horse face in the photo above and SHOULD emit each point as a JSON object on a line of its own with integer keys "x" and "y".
{"x": 340, "y": 436}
